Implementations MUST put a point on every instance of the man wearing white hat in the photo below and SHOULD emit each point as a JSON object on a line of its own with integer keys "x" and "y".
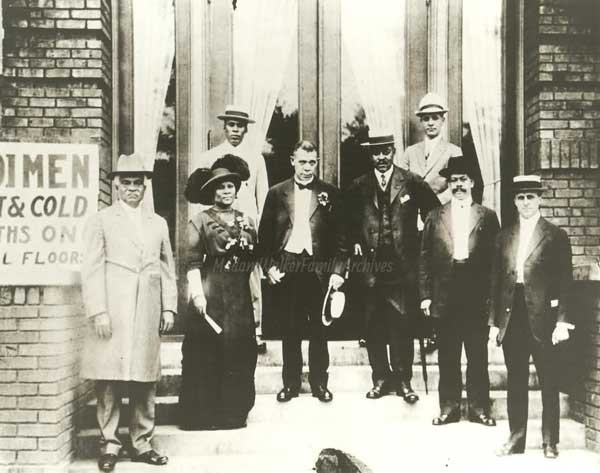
{"x": 130, "y": 297}
{"x": 253, "y": 192}
{"x": 531, "y": 279}
{"x": 428, "y": 157}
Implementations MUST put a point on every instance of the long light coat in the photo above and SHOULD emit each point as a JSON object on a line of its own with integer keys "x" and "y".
{"x": 131, "y": 277}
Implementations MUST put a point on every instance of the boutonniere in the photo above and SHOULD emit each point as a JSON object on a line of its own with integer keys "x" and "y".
{"x": 404, "y": 198}
{"x": 323, "y": 199}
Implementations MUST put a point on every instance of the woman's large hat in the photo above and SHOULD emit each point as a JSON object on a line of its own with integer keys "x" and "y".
{"x": 528, "y": 183}
{"x": 200, "y": 188}
{"x": 131, "y": 165}
{"x": 235, "y": 112}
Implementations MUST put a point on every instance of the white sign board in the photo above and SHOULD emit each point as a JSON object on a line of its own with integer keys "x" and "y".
{"x": 47, "y": 192}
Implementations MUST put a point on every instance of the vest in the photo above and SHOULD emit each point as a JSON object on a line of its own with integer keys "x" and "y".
{"x": 386, "y": 236}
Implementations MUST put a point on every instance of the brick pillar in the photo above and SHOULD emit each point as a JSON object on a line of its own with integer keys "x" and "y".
{"x": 562, "y": 143}
{"x": 57, "y": 89}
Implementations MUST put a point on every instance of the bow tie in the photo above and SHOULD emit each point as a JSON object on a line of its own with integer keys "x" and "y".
{"x": 308, "y": 185}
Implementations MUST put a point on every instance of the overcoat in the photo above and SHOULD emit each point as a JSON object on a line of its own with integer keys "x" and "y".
{"x": 437, "y": 259}
{"x": 408, "y": 195}
{"x": 548, "y": 276}
{"x": 131, "y": 277}
{"x": 429, "y": 169}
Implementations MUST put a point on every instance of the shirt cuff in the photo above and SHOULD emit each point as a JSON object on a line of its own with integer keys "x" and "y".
{"x": 565, "y": 325}
{"x": 194, "y": 280}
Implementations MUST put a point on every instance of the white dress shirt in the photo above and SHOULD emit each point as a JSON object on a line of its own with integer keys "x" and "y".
{"x": 461, "y": 217}
{"x": 430, "y": 144}
{"x": 301, "y": 239}
{"x": 387, "y": 175}
{"x": 135, "y": 214}
{"x": 526, "y": 229}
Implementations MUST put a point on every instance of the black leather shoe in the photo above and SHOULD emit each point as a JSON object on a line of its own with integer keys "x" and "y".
{"x": 430, "y": 345}
{"x": 482, "y": 419}
{"x": 444, "y": 419}
{"x": 261, "y": 348}
{"x": 362, "y": 343}
{"x": 406, "y": 391}
{"x": 323, "y": 394}
{"x": 286, "y": 394}
{"x": 550, "y": 451}
{"x": 107, "y": 462}
{"x": 377, "y": 391}
{"x": 508, "y": 449}
{"x": 151, "y": 457}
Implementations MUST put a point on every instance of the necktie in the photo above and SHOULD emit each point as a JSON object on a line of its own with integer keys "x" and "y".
{"x": 383, "y": 181}
{"x": 308, "y": 185}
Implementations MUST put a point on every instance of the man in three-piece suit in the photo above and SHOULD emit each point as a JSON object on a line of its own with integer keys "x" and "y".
{"x": 428, "y": 157}
{"x": 531, "y": 279}
{"x": 130, "y": 297}
{"x": 300, "y": 240}
{"x": 454, "y": 282}
{"x": 382, "y": 228}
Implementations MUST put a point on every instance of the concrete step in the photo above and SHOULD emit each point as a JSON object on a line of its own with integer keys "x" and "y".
{"x": 341, "y": 379}
{"x": 341, "y": 353}
{"x": 424, "y": 458}
{"x": 350, "y": 409}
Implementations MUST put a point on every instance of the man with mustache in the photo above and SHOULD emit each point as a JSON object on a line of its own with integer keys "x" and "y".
{"x": 382, "y": 229}
{"x": 253, "y": 192}
{"x": 454, "y": 281}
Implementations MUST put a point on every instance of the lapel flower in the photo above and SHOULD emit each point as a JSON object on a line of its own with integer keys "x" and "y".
{"x": 323, "y": 199}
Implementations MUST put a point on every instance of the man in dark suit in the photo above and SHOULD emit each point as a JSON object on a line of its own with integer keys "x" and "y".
{"x": 454, "y": 282}
{"x": 531, "y": 279}
{"x": 382, "y": 227}
{"x": 300, "y": 239}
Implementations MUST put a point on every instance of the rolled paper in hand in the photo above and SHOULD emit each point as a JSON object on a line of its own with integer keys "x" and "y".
{"x": 214, "y": 325}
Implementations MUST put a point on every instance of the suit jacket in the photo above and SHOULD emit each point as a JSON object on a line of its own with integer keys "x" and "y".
{"x": 436, "y": 262}
{"x": 277, "y": 221}
{"x": 408, "y": 195}
{"x": 548, "y": 275}
{"x": 131, "y": 277}
{"x": 429, "y": 169}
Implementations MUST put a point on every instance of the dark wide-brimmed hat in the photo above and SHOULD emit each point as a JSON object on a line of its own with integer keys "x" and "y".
{"x": 130, "y": 165}
{"x": 431, "y": 103}
{"x": 458, "y": 165}
{"x": 527, "y": 183}
{"x": 200, "y": 188}
{"x": 235, "y": 112}
{"x": 379, "y": 138}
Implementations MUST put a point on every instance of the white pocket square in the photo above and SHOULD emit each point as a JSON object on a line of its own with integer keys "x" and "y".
{"x": 554, "y": 303}
{"x": 404, "y": 198}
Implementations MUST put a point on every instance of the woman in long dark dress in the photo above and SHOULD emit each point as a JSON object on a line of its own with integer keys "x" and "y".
{"x": 217, "y": 389}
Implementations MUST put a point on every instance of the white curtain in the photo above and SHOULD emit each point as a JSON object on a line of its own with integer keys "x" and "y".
{"x": 154, "y": 49}
{"x": 1, "y": 40}
{"x": 263, "y": 34}
{"x": 373, "y": 34}
{"x": 482, "y": 89}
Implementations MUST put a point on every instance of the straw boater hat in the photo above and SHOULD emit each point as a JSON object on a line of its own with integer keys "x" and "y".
{"x": 431, "y": 103}
{"x": 379, "y": 138}
{"x": 528, "y": 183}
{"x": 200, "y": 188}
{"x": 235, "y": 112}
{"x": 131, "y": 165}
{"x": 457, "y": 165}
{"x": 333, "y": 306}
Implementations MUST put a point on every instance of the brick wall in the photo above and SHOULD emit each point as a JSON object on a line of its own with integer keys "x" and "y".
{"x": 57, "y": 88}
{"x": 562, "y": 143}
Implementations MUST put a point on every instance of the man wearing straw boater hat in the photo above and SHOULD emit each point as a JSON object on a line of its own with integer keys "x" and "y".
{"x": 428, "y": 157}
{"x": 531, "y": 279}
{"x": 251, "y": 196}
{"x": 382, "y": 231}
{"x": 130, "y": 297}
{"x": 454, "y": 281}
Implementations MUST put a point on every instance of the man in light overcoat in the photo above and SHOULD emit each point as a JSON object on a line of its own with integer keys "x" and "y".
{"x": 130, "y": 297}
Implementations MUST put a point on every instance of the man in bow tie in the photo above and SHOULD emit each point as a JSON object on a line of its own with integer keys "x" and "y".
{"x": 531, "y": 280}
{"x": 301, "y": 240}
{"x": 382, "y": 229}
{"x": 454, "y": 282}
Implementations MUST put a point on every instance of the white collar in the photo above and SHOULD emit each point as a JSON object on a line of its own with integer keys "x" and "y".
{"x": 529, "y": 222}
{"x": 133, "y": 211}
{"x": 431, "y": 143}
{"x": 387, "y": 174}
{"x": 461, "y": 203}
